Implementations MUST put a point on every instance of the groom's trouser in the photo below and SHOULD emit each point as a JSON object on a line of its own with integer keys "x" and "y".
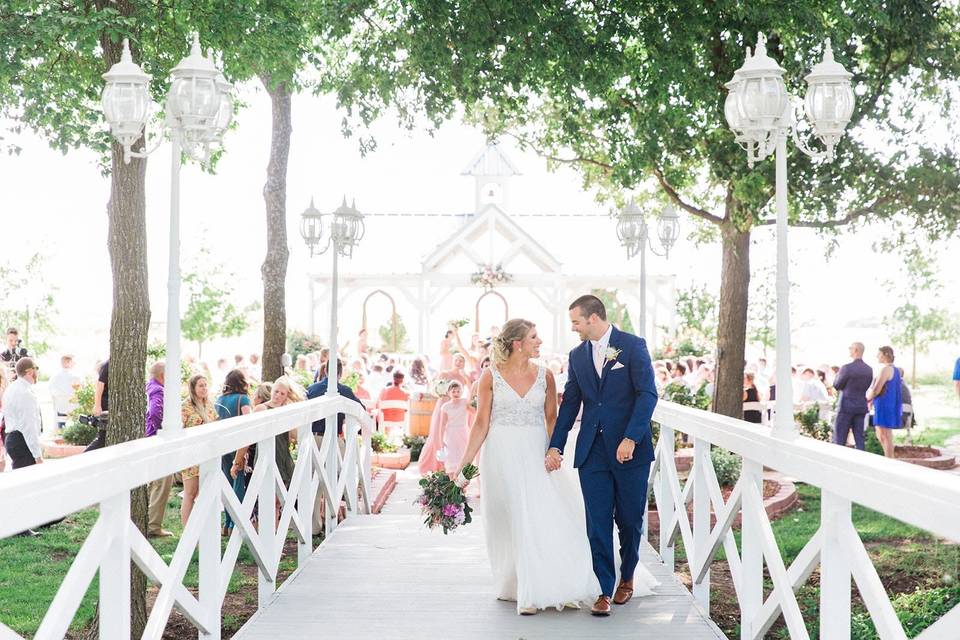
{"x": 613, "y": 493}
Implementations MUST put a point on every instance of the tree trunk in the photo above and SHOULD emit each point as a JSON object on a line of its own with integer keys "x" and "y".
{"x": 732, "y": 328}
{"x": 274, "y": 269}
{"x": 129, "y": 324}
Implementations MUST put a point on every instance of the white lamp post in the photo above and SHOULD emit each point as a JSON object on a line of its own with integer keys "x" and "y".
{"x": 760, "y": 112}
{"x": 199, "y": 109}
{"x": 633, "y": 233}
{"x": 345, "y": 231}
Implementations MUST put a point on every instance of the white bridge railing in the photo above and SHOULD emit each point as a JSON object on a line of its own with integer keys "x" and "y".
{"x": 925, "y": 498}
{"x": 39, "y": 494}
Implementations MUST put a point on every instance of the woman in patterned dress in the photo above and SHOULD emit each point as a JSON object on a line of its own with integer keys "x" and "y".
{"x": 198, "y": 409}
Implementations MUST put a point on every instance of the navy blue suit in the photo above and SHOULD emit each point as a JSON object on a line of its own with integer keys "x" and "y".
{"x": 616, "y": 405}
{"x": 852, "y": 382}
{"x": 318, "y": 390}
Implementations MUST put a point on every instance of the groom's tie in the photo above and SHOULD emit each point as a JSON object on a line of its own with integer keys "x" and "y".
{"x": 598, "y": 359}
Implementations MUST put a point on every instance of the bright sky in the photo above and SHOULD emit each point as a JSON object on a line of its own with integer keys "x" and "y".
{"x": 55, "y": 204}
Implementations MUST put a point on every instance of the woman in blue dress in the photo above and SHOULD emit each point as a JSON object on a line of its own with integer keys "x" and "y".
{"x": 885, "y": 394}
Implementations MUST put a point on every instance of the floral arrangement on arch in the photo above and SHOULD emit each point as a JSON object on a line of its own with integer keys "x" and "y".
{"x": 489, "y": 276}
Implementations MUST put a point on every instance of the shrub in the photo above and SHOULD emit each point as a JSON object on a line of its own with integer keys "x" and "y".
{"x": 79, "y": 434}
{"x": 916, "y": 611}
{"x": 727, "y": 466}
{"x": 300, "y": 343}
{"x": 872, "y": 443}
{"x": 415, "y": 444}
{"x": 679, "y": 392}
{"x": 380, "y": 444}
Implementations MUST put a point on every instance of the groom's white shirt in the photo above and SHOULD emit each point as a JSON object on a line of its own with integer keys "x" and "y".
{"x": 600, "y": 349}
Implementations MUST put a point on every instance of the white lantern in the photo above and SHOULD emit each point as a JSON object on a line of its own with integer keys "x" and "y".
{"x": 830, "y": 100}
{"x": 224, "y": 116}
{"x": 194, "y": 100}
{"x": 668, "y": 227}
{"x": 347, "y": 227}
{"x": 762, "y": 97}
{"x": 631, "y": 228}
{"x": 311, "y": 226}
{"x": 126, "y": 99}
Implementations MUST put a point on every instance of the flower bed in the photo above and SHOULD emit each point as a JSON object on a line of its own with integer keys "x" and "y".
{"x": 931, "y": 457}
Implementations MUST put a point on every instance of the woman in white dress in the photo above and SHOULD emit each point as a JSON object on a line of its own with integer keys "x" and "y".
{"x": 533, "y": 521}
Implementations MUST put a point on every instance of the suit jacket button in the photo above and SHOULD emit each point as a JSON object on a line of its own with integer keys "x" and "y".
{"x": 599, "y": 404}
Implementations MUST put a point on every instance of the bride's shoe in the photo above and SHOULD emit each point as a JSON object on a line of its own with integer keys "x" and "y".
{"x": 528, "y": 611}
{"x": 570, "y": 605}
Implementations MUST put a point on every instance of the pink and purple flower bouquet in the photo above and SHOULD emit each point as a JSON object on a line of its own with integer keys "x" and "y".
{"x": 443, "y": 502}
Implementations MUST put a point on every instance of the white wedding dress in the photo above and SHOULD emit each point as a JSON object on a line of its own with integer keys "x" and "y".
{"x": 534, "y": 520}
{"x": 535, "y": 531}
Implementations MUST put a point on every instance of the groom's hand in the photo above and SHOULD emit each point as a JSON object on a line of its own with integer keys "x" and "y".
{"x": 625, "y": 450}
{"x": 553, "y": 460}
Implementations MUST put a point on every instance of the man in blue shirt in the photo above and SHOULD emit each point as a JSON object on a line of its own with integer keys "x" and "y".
{"x": 317, "y": 390}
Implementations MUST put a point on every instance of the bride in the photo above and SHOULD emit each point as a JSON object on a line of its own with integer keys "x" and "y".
{"x": 533, "y": 520}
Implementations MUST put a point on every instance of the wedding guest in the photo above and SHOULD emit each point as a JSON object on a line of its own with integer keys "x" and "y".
{"x": 446, "y": 350}
{"x": 14, "y": 351}
{"x": 317, "y": 390}
{"x": 811, "y": 389}
{"x": 234, "y": 401}
{"x": 197, "y": 409}
{"x": 159, "y": 489}
{"x": 956, "y": 376}
{"x": 101, "y": 404}
{"x": 852, "y": 382}
{"x": 428, "y": 455}
{"x": 63, "y": 385}
{"x": 458, "y": 371}
{"x": 886, "y": 396}
{"x": 282, "y": 393}
{"x": 254, "y": 370}
{"x": 3, "y": 388}
{"x": 750, "y": 394}
{"x": 907, "y": 401}
{"x": 453, "y": 426}
{"x": 418, "y": 373}
{"x": 393, "y": 392}
{"x": 362, "y": 347}
{"x": 21, "y": 416}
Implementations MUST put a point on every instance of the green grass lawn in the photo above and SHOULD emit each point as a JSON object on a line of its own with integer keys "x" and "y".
{"x": 935, "y": 433}
{"x": 32, "y": 569}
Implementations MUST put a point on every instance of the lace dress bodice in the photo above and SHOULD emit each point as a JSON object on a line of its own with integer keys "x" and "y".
{"x": 511, "y": 410}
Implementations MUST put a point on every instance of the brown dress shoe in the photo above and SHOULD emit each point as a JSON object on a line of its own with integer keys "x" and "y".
{"x": 601, "y": 607}
{"x": 624, "y": 592}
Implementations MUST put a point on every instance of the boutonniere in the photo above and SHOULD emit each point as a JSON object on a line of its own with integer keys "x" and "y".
{"x": 612, "y": 354}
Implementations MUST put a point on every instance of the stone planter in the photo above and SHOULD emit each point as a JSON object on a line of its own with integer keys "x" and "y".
{"x": 59, "y": 449}
{"x": 397, "y": 460}
{"x": 931, "y": 457}
{"x": 684, "y": 459}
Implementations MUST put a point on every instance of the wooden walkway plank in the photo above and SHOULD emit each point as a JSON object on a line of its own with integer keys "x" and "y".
{"x": 386, "y": 576}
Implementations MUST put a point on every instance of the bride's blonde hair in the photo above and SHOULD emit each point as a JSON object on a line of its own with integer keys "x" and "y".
{"x": 514, "y": 330}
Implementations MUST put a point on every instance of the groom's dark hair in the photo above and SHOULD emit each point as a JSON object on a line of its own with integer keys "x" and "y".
{"x": 590, "y": 305}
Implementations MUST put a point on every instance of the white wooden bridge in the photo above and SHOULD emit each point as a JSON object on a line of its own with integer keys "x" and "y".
{"x": 384, "y": 576}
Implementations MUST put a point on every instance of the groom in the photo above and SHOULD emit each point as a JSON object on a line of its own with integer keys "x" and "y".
{"x": 611, "y": 377}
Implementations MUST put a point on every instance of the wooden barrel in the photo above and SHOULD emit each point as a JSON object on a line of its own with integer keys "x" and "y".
{"x": 420, "y": 412}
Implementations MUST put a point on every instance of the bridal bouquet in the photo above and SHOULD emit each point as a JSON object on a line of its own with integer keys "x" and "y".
{"x": 443, "y": 502}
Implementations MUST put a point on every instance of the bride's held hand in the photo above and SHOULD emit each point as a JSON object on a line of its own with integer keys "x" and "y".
{"x": 553, "y": 460}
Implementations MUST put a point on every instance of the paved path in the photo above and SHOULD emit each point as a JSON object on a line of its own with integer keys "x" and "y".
{"x": 386, "y": 576}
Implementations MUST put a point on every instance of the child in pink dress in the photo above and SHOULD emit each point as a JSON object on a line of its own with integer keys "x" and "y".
{"x": 454, "y": 424}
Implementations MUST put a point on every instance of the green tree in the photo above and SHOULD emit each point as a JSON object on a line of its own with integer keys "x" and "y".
{"x": 917, "y": 321}
{"x": 394, "y": 335}
{"x": 284, "y": 45}
{"x": 210, "y": 314}
{"x": 633, "y": 92}
{"x": 28, "y": 303}
{"x": 617, "y": 311}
